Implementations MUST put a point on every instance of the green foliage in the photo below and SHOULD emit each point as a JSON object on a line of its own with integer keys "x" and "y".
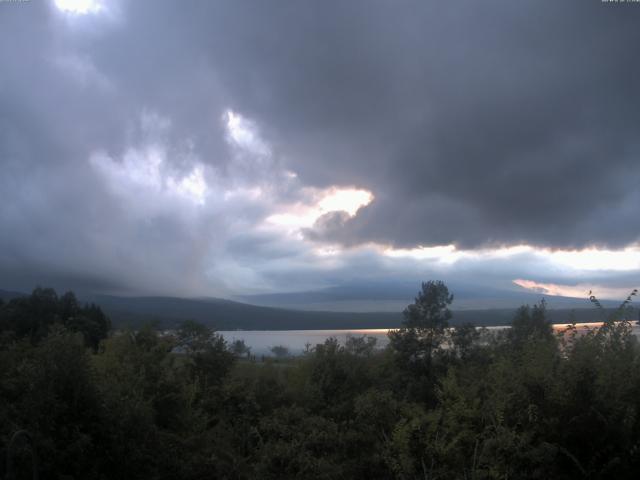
{"x": 438, "y": 403}
{"x": 464, "y": 340}
{"x": 417, "y": 344}
{"x": 240, "y": 349}
{"x": 208, "y": 359}
{"x": 530, "y": 324}
{"x": 280, "y": 351}
{"x": 48, "y": 389}
{"x": 34, "y": 316}
{"x": 361, "y": 346}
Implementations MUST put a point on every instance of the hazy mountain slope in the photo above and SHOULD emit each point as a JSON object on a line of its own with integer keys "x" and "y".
{"x": 222, "y": 314}
{"x": 8, "y": 294}
{"x": 228, "y": 315}
{"x": 395, "y": 296}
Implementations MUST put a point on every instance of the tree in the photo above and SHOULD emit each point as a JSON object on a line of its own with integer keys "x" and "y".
{"x": 209, "y": 360}
{"x": 90, "y": 321}
{"x": 280, "y": 351}
{"x": 239, "y": 348}
{"x": 31, "y": 317}
{"x": 360, "y": 346}
{"x": 34, "y": 316}
{"x": 148, "y": 402}
{"x": 464, "y": 339}
{"x": 424, "y": 326}
{"x": 530, "y": 323}
{"x": 48, "y": 389}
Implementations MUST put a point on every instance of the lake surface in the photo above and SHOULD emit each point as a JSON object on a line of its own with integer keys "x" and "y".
{"x": 261, "y": 341}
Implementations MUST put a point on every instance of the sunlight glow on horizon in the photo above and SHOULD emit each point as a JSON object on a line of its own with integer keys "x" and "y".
{"x": 588, "y": 259}
{"x": 580, "y": 290}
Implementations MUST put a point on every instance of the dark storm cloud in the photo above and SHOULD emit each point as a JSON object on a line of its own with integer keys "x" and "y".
{"x": 472, "y": 123}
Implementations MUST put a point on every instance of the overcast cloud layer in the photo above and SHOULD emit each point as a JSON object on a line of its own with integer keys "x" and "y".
{"x": 219, "y": 148}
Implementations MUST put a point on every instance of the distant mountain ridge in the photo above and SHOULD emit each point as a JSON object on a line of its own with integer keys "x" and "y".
{"x": 381, "y": 296}
{"x": 8, "y": 294}
{"x": 230, "y": 315}
{"x": 222, "y": 314}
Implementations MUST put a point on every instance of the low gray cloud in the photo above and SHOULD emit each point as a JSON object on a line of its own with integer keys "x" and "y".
{"x": 472, "y": 123}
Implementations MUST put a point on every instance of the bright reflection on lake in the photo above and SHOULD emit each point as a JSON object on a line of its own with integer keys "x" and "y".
{"x": 261, "y": 341}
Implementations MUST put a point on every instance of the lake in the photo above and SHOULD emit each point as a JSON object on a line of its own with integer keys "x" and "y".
{"x": 261, "y": 341}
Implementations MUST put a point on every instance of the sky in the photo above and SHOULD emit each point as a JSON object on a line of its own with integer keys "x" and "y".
{"x": 236, "y": 148}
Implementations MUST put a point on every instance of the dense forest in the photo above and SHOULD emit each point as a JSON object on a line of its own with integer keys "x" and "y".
{"x": 81, "y": 401}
